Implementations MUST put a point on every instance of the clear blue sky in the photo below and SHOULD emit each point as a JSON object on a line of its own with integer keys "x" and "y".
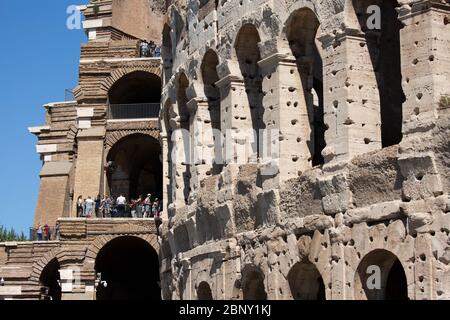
{"x": 38, "y": 60}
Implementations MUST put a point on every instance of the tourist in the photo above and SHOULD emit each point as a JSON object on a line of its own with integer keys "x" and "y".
{"x": 108, "y": 207}
{"x": 133, "y": 208}
{"x": 144, "y": 49}
{"x": 39, "y": 232}
{"x": 155, "y": 209}
{"x": 139, "y": 207}
{"x": 120, "y": 204}
{"x": 89, "y": 208}
{"x": 98, "y": 201}
{"x": 148, "y": 206}
{"x": 80, "y": 207}
{"x": 46, "y": 232}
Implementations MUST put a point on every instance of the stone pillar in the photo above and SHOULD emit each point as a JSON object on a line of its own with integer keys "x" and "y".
{"x": 240, "y": 143}
{"x": 180, "y": 164}
{"x": 286, "y": 113}
{"x": 54, "y": 198}
{"x": 425, "y": 43}
{"x": 166, "y": 175}
{"x": 89, "y": 164}
{"x": 351, "y": 98}
{"x": 203, "y": 141}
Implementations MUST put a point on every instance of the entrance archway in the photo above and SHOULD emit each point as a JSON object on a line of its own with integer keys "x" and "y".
{"x": 204, "y": 292}
{"x": 129, "y": 269}
{"x": 305, "y": 282}
{"x": 253, "y": 285}
{"x": 135, "y": 167}
{"x": 380, "y": 276}
{"x": 50, "y": 281}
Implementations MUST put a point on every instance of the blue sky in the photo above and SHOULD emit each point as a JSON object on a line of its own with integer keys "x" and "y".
{"x": 38, "y": 61}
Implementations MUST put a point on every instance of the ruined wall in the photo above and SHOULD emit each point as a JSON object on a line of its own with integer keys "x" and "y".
{"x": 311, "y": 229}
{"x": 142, "y": 19}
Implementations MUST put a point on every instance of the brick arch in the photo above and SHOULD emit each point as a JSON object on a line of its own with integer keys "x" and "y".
{"x": 100, "y": 242}
{"x": 117, "y": 74}
{"x": 113, "y": 137}
{"x": 39, "y": 265}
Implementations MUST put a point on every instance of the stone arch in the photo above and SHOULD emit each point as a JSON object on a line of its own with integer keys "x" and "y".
{"x": 204, "y": 292}
{"x": 384, "y": 270}
{"x": 212, "y": 118}
{"x": 99, "y": 242}
{"x": 118, "y": 74}
{"x": 253, "y": 283}
{"x": 298, "y": 40}
{"x": 384, "y": 42}
{"x": 183, "y": 139}
{"x": 40, "y": 264}
{"x": 137, "y": 255}
{"x": 251, "y": 112}
{"x": 115, "y": 136}
{"x": 143, "y": 170}
{"x": 306, "y": 282}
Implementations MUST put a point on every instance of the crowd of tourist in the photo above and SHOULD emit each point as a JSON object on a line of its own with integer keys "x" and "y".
{"x": 109, "y": 207}
{"x": 44, "y": 233}
{"x": 149, "y": 49}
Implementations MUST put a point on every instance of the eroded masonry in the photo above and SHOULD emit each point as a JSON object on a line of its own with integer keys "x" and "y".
{"x": 349, "y": 179}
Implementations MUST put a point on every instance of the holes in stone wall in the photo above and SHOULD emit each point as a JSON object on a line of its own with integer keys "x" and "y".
{"x": 381, "y": 44}
{"x": 301, "y": 32}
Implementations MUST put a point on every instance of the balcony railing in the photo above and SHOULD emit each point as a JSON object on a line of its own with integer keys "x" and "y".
{"x": 133, "y": 111}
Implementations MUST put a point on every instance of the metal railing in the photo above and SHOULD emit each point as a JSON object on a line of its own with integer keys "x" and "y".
{"x": 133, "y": 111}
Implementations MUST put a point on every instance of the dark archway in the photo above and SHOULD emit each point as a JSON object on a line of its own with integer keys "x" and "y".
{"x": 134, "y": 96}
{"x": 248, "y": 55}
{"x": 384, "y": 48}
{"x": 204, "y": 292}
{"x": 129, "y": 269}
{"x": 391, "y": 277}
{"x": 212, "y": 93}
{"x": 167, "y": 52}
{"x": 135, "y": 167}
{"x": 301, "y": 32}
{"x": 253, "y": 284}
{"x": 305, "y": 282}
{"x": 185, "y": 143}
{"x": 50, "y": 281}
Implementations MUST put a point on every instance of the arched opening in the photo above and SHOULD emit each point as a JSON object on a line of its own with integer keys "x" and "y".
{"x": 136, "y": 95}
{"x": 204, "y": 292}
{"x": 248, "y": 55}
{"x": 384, "y": 49}
{"x": 305, "y": 282}
{"x": 212, "y": 93}
{"x": 167, "y": 53}
{"x": 301, "y": 32}
{"x": 50, "y": 281}
{"x": 380, "y": 276}
{"x": 135, "y": 167}
{"x": 184, "y": 141}
{"x": 253, "y": 285}
{"x": 129, "y": 269}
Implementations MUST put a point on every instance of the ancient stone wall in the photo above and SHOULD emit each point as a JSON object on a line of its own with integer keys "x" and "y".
{"x": 338, "y": 202}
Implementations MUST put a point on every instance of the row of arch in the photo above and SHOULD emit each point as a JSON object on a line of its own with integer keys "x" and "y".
{"x": 301, "y": 42}
{"x": 306, "y": 283}
{"x": 129, "y": 270}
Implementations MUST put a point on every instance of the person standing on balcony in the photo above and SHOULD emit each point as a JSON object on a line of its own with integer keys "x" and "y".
{"x": 80, "y": 207}
{"x": 133, "y": 205}
{"x": 139, "y": 202}
{"x": 155, "y": 208}
{"x": 108, "y": 207}
{"x": 148, "y": 206}
{"x": 98, "y": 200}
{"x": 144, "y": 49}
{"x": 121, "y": 203}
{"x": 39, "y": 232}
{"x": 89, "y": 208}
{"x": 46, "y": 232}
